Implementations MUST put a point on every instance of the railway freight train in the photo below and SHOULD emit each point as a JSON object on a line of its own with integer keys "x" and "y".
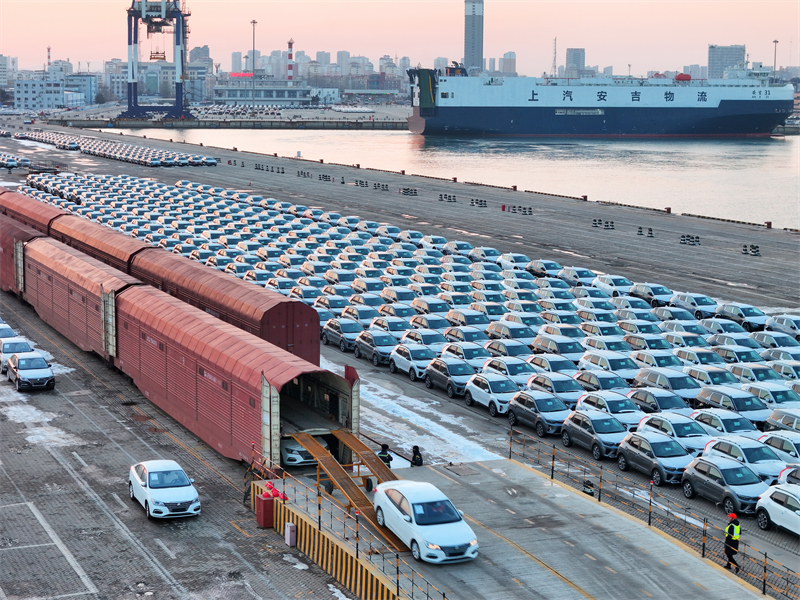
{"x": 288, "y": 324}
{"x": 230, "y": 388}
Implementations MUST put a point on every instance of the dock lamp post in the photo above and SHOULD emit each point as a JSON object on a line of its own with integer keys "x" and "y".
{"x": 253, "y": 62}
{"x": 775, "y": 58}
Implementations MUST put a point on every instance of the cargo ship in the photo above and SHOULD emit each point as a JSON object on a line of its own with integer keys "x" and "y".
{"x": 744, "y": 103}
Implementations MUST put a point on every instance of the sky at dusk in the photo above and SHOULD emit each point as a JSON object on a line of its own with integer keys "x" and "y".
{"x": 649, "y": 34}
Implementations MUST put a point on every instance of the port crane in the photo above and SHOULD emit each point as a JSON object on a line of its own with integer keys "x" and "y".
{"x": 159, "y": 16}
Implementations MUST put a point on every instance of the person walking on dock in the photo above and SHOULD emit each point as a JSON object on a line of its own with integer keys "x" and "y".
{"x": 385, "y": 456}
{"x": 416, "y": 457}
{"x": 732, "y": 533}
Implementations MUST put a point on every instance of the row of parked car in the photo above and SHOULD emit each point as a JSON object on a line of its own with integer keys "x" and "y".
{"x": 501, "y": 330}
{"x": 23, "y": 366}
{"x": 10, "y": 161}
{"x": 132, "y": 153}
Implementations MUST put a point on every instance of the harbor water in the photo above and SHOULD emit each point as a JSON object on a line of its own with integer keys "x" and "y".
{"x": 754, "y": 180}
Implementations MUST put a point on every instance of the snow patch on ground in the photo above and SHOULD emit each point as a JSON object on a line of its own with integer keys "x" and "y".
{"x": 337, "y": 594}
{"x": 57, "y": 368}
{"x": 10, "y": 184}
{"x": 294, "y": 562}
{"x": 51, "y": 436}
{"x": 439, "y": 445}
{"x": 25, "y": 413}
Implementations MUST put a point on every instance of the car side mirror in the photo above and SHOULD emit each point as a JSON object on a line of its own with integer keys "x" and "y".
{"x": 461, "y": 512}
{"x": 191, "y": 481}
{"x": 407, "y": 518}
{"x": 144, "y": 484}
{"x": 650, "y": 454}
{"x": 718, "y": 428}
{"x": 740, "y": 458}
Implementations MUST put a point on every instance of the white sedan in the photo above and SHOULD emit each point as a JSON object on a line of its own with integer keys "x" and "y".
{"x": 491, "y": 390}
{"x": 425, "y": 520}
{"x": 163, "y": 488}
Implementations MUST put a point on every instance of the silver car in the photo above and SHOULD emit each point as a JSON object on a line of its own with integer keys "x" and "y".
{"x": 723, "y": 481}
{"x": 594, "y": 430}
{"x": 655, "y": 454}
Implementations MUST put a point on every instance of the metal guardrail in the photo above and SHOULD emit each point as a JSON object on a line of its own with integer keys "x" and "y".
{"x": 645, "y": 503}
{"x": 336, "y": 519}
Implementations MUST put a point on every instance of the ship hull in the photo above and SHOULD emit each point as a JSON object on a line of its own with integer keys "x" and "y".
{"x": 732, "y": 118}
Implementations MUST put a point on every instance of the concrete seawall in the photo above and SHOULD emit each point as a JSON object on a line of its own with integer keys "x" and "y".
{"x": 233, "y": 124}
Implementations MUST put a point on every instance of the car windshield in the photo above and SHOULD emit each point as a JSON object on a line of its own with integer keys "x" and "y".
{"x": 668, "y": 402}
{"x": 36, "y": 362}
{"x": 683, "y": 383}
{"x": 703, "y": 301}
{"x": 691, "y": 429}
{"x": 460, "y": 369}
{"x": 621, "y": 406}
{"x": 384, "y": 340}
{"x": 566, "y": 385}
{"x": 522, "y": 332}
{"x": 611, "y": 383}
{"x": 736, "y": 425}
{"x": 503, "y": 386}
{"x": 478, "y": 319}
{"x": 649, "y": 328}
{"x": 531, "y": 320}
{"x": 496, "y": 309}
{"x": 433, "y": 338}
{"x": 658, "y": 344}
{"x": 620, "y": 281}
{"x": 570, "y": 348}
{"x": 660, "y": 290}
{"x": 722, "y": 377}
{"x": 785, "y": 396}
{"x": 399, "y": 326}
{"x": 550, "y": 405}
{"x": 572, "y": 332}
{"x": 349, "y": 326}
{"x": 366, "y": 312}
{"x": 784, "y": 341}
{"x": 167, "y": 479}
{"x": 710, "y": 358}
{"x": 766, "y": 374}
{"x": 668, "y": 361}
{"x": 557, "y": 365}
{"x": 471, "y": 353}
{"x": 435, "y": 513}
{"x": 695, "y": 342}
{"x": 759, "y": 454}
{"x": 621, "y": 363}
{"x": 520, "y": 368}
{"x": 607, "y": 426}
{"x": 739, "y": 476}
{"x": 475, "y": 335}
{"x": 422, "y": 353}
{"x": 748, "y": 403}
{"x": 667, "y": 449}
{"x": 610, "y": 330}
{"x": 751, "y": 311}
{"x": 11, "y": 347}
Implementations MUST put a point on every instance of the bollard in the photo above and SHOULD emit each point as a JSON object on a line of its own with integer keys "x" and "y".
{"x": 321, "y": 161}
{"x": 768, "y": 224}
{"x": 503, "y": 208}
{"x": 754, "y": 250}
{"x": 402, "y": 171}
{"x": 745, "y": 250}
{"x": 697, "y": 240}
{"x": 585, "y": 197}
{"x": 668, "y": 210}
{"x": 472, "y": 201}
{"x": 611, "y": 224}
{"x": 513, "y": 187}
{"x": 455, "y": 179}
{"x": 649, "y": 232}
{"x": 683, "y": 239}
{"x": 595, "y": 223}
{"x": 606, "y": 225}
{"x": 639, "y": 231}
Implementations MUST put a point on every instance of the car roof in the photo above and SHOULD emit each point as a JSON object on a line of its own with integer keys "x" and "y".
{"x": 770, "y": 386}
{"x": 671, "y": 417}
{"x": 15, "y": 339}
{"x": 415, "y": 491}
{"x": 792, "y": 436}
{"x": 606, "y": 353}
{"x": 652, "y": 436}
{"x": 731, "y": 391}
{"x": 492, "y": 376}
{"x": 607, "y": 395}
{"x": 160, "y": 465}
{"x": 593, "y": 413}
{"x": 31, "y": 354}
{"x": 719, "y": 412}
{"x": 738, "y": 440}
{"x": 721, "y": 461}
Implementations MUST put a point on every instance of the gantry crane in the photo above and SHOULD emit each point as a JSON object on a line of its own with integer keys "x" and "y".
{"x": 159, "y": 16}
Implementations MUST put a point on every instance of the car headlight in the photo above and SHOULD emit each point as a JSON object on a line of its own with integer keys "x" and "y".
{"x": 433, "y": 546}
{"x": 158, "y": 503}
{"x": 195, "y": 500}
{"x": 474, "y": 542}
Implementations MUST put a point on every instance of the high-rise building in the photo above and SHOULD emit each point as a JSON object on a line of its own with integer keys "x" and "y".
{"x": 608, "y": 71}
{"x": 236, "y": 62}
{"x": 404, "y": 64}
{"x": 703, "y": 72}
{"x": 576, "y": 62}
{"x": 323, "y": 58}
{"x": 510, "y": 63}
{"x": 4, "y": 70}
{"x": 198, "y": 53}
{"x": 491, "y": 65}
{"x": 343, "y": 59}
{"x": 473, "y": 34}
{"x": 440, "y": 63}
{"x": 249, "y": 60}
{"x": 722, "y": 57}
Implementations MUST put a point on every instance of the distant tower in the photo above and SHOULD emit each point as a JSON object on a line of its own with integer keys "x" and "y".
{"x": 48, "y": 57}
{"x": 554, "y": 69}
{"x": 473, "y": 34}
{"x": 291, "y": 62}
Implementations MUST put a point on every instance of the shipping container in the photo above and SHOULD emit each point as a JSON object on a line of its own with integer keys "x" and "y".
{"x": 232, "y": 389}
{"x": 30, "y": 212}
{"x": 74, "y": 293}
{"x": 13, "y": 236}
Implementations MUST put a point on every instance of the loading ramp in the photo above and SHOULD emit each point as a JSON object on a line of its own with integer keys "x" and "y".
{"x": 378, "y": 468}
{"x": 342, "y": 480}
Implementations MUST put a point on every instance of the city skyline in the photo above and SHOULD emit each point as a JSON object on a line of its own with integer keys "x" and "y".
{"x": 658, "y": 36}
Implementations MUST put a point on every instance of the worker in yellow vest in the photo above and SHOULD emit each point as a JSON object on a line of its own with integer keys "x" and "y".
{"x": 732, "y": 533}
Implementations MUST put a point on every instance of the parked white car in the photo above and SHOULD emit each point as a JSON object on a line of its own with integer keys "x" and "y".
{"x": 780, "y": 506}
{"x": 425, "y": 520}
{"x": 163, "y": 488}
{"x": 491, "y": 390}
{"x": 758, "y": 456}
{"x": 411, "y": 359}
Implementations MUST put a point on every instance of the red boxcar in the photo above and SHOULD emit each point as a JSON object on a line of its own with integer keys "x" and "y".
{"x": 224, "y": 385}
{"x": 70, "y": 291}
{"x": 29, "y": 211}
{"x": 12, "y": 232}
{"x": 288, "y": 324}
